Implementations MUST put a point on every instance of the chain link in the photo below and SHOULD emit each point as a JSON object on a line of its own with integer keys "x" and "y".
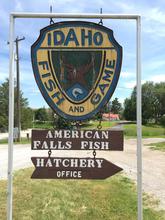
{"x": 49, "y": 153}
{"x": 101, "y": 20}
{"x": 51, "y": 19}
{"x": 78, "y": 125}
{"x": 94, "y": 154}
{"x": 99, "y": 127}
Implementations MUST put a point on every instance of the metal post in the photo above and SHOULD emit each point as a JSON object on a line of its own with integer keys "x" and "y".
{"x": 18, "y": 89}
{"x": 73, "y": 15}
{"x": 11, "y": 122}
{"x": 139, "y": 119}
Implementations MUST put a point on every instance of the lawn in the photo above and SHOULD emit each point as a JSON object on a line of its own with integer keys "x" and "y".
{"x": 44, "y": 125}
{"x": 158, "y": 146}
{"x": 23, "y": 141}
{"x": 94, "y": 124}
{"x": 90, "y": 125}
{"x": 111, "y": 199}
{"x": 129, "y": 130}
{"x": 147, "y": 131}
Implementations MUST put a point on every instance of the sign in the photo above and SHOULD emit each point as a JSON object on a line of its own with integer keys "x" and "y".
{"x": 76, "y": 65}
{"x": 77, "y": 140}
{"x": 73, "y": 168}
{"x": 15, "y": 133}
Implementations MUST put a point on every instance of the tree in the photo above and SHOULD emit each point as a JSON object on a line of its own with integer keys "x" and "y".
{"x": 129, "y": 112}
{"x": 26, "y": 118}
{"x": 116, "y": 106}
{"x": 61, "y": 123}
{"x": 4, "y": 102}
{"x": 153, "y": 103}
{"x": 107, "y": 107}
{"x": 159, "y": 92}
{"x": 41, "y": 115}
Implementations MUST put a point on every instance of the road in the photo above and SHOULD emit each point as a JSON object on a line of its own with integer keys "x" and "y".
{"x": 153, "y": 163}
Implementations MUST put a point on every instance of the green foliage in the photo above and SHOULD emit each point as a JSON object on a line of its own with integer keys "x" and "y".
{"x": 160, "y": 105}
{"x": 43, "y": 118}
{"x": 26, "y": 112}
{"x": 26, "y": 118}
{"x": 61, "y": 123}
{"x": 4, "y": 94}
{"x": 162, "y": 121}
{"x": 43, "y": 125}
{"x": 116, "y": 106}
{"x": 41, "y": 115}
{"x": 129, "y": 112}
{"x": 114, "y": 198}
{"x": 153, "y": 103}
{"x": 107, "y": 107}
{"x": 3, "y": 122}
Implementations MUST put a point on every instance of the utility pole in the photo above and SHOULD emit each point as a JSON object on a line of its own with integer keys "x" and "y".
{"x": 18, "y": 119}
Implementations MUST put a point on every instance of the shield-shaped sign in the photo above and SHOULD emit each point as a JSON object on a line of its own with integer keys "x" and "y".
{"x": 76, "y": 66}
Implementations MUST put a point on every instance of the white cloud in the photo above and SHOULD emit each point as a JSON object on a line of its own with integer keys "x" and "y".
{"x": 130, "y": 84}
{"x": 153, "y": 31}
{"x": 121, "y": 100}
{"x": 126, "y": 74}
{"x": 154, "y": 65}
{"x": 124, "y": 7}
{"x": 18, "y": 6}
{"x": 3, "y": 76}
{"x": 157, "y": 78}
{"x": 156, "y": 15}
{"x": 154, "y": 21}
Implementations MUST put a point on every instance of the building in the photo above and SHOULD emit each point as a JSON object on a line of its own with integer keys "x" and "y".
{"x": 111, "y": 116}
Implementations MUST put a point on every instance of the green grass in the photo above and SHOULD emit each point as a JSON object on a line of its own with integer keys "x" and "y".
{"x": 87, "y": 125}
{"x": 147, "y": 131}
{"x": 158, "y": 146}
{"x": 44, "y": 125}
{"x": 111, "y": 199}
{"x": 23, "y": 141}
{"x": 90, "y": 125}
{"x": 94, "y": 124}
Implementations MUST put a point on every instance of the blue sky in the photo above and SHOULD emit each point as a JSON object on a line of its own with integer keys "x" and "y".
{"x": 153, "y": 35}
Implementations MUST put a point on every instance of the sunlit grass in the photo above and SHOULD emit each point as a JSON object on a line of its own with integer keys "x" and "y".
{"x": 147, "y": 131}
{"x": 114, "y": 198}
{"x": 158, "y": 146}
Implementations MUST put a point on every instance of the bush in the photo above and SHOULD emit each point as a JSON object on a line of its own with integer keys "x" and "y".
{"x": 61, "y": 123}
{"x": 162, "y": 121}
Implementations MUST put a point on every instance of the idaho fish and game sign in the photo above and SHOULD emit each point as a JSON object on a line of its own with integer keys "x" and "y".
{"x": 76, "y": 66}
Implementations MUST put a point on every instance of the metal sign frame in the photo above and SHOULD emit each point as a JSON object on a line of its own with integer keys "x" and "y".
{"x": 137, "y": 18}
